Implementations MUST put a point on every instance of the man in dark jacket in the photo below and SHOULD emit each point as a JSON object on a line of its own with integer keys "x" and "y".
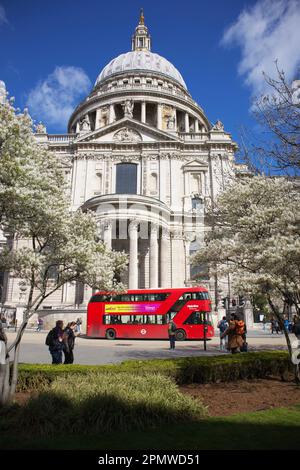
{"x": 296, "y": 327}
{"x": 56, "y": 343}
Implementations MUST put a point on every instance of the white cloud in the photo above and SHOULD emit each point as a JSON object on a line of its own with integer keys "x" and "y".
{"x": 54, "y": 99}
{"x": 3, "y": 18}
{"x": 266, "y": 32}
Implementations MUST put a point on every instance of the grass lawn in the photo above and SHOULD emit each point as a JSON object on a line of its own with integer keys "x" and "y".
{"x": 278, "y": 428}
{"x": 140, "y": 405}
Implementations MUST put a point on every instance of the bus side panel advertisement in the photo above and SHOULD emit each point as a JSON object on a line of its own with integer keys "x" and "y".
{"x": 132, "y": 308}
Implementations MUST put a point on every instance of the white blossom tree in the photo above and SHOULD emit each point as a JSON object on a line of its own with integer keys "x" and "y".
{"x": 255, "y": 236}
{"x": 277, "y": 145}
{"x": 49, "y": 245}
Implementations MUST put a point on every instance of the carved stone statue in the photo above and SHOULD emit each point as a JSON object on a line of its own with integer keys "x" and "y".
{"x": 85, "y": 125}
{"x": 127, "y": 135}
{"x": 219, "y": 126}
{"x": 128, "y": 108}
{"x": 171, "y": 122}
{"x": 104, "y": 116}
{"x": 40, "y": 128}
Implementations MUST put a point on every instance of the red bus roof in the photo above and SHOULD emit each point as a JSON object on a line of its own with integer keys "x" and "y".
{"x": 158, "y": 289}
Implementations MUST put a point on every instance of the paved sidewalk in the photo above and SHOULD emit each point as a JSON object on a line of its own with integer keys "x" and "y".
{"x": 102, "y": 351}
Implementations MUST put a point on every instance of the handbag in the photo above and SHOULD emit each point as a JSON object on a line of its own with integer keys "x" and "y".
{"x": 244, "y": 347}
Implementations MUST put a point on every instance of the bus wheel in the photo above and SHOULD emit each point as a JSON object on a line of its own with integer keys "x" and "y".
{"x": 110, "y": 334}
{"x": 180, "y": 335}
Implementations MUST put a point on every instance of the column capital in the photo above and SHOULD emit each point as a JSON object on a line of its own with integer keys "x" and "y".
{"x": 165, "y": 233}
{"x": 133, "y": 225}
{"x": 177, "y": 234}
{"x": 154, "y": 228}
{"x": 188, "y": 237}
{"x": 106, "y": 224}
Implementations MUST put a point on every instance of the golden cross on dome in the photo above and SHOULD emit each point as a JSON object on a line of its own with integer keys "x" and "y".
{"x": 142, "y": 18}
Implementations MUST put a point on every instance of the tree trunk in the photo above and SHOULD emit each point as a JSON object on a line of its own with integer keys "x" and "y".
{"x": 5, "y": 372}
{"x": 8, "y": 382}
{"x": 279, "y": 318}
{"x": 14, "y": 376}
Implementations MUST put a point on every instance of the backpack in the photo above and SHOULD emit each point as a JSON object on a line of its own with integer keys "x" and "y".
{"x": 239, "y": 327}
{"x": 50, "y": 338}
{"x": 222, "y": 325}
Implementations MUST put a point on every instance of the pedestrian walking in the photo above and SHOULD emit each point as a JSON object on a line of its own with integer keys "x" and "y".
{"x": 286, "y": 324}
{"x": 54, "y": 340}
{"x": 69, "y": 342}
{"x": 274, "y": 326}
{"x": 235, "y": 332}
{"x": 296, "y": 327}
{"x": 172, "y": 334}
{"x": 78, "y": 325}
{"x": 264, "y": 323}
{"x": 40, "y": 324}
{"x": 223, "y": 325}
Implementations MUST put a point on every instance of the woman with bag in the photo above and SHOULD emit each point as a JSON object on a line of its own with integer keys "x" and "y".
{"x": 235, "y": 333}
{"x": 69, "y": 342}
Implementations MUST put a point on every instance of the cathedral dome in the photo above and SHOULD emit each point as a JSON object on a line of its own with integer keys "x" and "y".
{"x": 140, "y": 60}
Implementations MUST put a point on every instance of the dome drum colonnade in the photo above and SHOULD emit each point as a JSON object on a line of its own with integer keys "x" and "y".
{"x": 155, "y": 88}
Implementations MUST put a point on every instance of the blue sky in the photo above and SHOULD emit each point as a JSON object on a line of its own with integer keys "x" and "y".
{"x": 58, "y": 47}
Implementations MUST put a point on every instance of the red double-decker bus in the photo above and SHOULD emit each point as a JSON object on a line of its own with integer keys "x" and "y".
{"x": 145, "y": 314}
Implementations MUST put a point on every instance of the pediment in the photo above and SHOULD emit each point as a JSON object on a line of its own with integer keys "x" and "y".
{"x": 125, "y": 131}
{"x": 196, "y": 165}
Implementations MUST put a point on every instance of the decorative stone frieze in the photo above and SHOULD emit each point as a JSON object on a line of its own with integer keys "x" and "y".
{"x": 127, "y": 135}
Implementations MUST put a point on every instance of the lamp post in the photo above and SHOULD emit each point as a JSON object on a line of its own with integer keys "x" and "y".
{"x": 205, "y": 330}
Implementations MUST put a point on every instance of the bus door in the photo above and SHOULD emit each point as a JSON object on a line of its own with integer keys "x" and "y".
{"x": 195, "y": 324}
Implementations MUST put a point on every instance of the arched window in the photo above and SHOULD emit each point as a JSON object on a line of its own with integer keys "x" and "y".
{"x": 126, "y": 178}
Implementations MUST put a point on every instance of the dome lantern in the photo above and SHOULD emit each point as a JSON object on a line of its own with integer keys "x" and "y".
{"x": 141, "y": 40}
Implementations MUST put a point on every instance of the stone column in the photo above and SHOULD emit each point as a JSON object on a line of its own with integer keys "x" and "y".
{"x": 196, "y": 125}
{"x": 177, "y": 258}
{"x": 133, "y": 255}
{"x": 107, "y": 233}
{"x": 69, "y": 293}
{"x": 187, "y": 122}
{"x": 87, "y": 294}
{"x": 143, "y": 111}
{"x": 164, "y": 258}
{"x": 153, "y": 256}
{"x": 159, "y": 116}
{"x": 248, "y": 313}
{"x": 112, "y": 115}
{"x": 187, "y": 261}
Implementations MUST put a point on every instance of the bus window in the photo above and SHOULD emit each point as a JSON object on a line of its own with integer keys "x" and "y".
{"x": 112, "y": 319}
{"x": 170, "y": 315}
{"x": 198, "y": 318}
{"x": 202, "y": 296}
{"x": 98, "y": 298}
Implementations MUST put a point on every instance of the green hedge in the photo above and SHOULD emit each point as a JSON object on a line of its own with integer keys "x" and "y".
{"x": 182, "y": 370}
{"x": 102, "y": 402}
